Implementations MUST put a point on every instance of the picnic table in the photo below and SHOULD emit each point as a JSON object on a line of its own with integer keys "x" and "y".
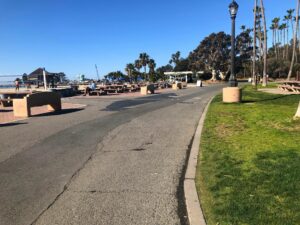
{"x": 290, "y": 86}
{"x": 114, "y": 88}
{"x": 6, "y": 98}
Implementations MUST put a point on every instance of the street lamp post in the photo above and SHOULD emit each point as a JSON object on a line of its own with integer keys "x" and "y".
{"x": 233, "y": 9}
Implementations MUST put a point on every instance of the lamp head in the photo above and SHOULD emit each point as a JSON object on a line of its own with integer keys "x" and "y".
{"x": 233, "y": 9}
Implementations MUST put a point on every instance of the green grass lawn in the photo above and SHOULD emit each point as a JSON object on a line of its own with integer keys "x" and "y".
{"x": 249, "y": 171}
{"x": 270, "y": 85}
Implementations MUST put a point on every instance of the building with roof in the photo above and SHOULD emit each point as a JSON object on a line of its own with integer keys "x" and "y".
{"x": 38, "y": 77}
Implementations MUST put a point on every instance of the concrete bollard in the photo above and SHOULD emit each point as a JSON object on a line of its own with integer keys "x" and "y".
{"x": 232, "y": 95}
{"x": 199, "y": 83}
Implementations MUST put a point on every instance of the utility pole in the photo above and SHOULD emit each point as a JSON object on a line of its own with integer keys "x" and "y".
{"x": 97, "y": 71}
{"x": 45, "y": 79}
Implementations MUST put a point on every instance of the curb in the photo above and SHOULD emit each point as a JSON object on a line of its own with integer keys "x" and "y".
{"x": 194, "y": 211}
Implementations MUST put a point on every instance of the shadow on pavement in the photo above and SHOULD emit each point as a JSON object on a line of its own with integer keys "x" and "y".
{"x": 62, "y": 112}
{"x": 12, "y": 124}
{"x": 124, "y": 104}
{"x": 6, "y": 110}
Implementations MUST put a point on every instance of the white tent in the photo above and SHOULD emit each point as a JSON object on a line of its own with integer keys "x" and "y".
{"x": 181, "y": 75}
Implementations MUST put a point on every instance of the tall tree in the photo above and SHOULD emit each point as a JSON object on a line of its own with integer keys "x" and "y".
{"x": 175, "y": 58}
{"x": 130, "y": 69}
{"x": 244, "y": 50}
{"x": 259, "y": 32}
{"x": 144, "y": 60}
{"x": 213, "y": 52}
{"x": 243, "y": 28}
{"x": 280, "y": 29}
{"x": 161, "y": 71}
{"x": 265, "y": 42}
{"x": 138, "y": 65}
{"x": 289, "y": 16}
{"x": 275, "y": 21}
{"x": 272, "y": 27}
{"x": 286, "y": 19}
{"x": 254, "y": 77}
{"x": 284, "y": 28}
{"x": 294, "y": 41}
{"x": 152, "y": 65}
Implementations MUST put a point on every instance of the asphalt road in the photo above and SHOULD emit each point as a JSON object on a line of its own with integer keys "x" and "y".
{"x": 118, "y": 161}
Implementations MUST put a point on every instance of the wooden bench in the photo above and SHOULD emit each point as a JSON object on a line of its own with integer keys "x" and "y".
{"x": 289, "y": 88}
{"x": 148, "y": 89}
{"x": 284, "y": 87}
{"x": 98, "y": 92}
{"x": 295, "y": 89}
{"x": 22, "y": 107}
{"x": 133, "y": 88}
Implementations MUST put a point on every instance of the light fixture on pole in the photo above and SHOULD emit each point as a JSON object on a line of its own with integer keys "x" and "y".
{"x": 232, "y": 94}
{"x": 233, "y": 9}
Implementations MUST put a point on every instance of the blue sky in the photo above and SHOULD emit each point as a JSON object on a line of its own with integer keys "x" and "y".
{"x": 72, "y": 36}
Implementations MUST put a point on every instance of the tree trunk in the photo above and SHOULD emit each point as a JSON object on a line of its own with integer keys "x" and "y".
{"x": 265, "y": 79}
{"x": 278, "y": 43}
{"x": 275, "y": 38}
{"x": 283, "y": 43}
{"x": 145, "y": 73}
{"x": 254, "y": 83}
{"x": 265, "y": 43}
{"x": 295, "y": 42}
{"x": 260, "y": 40}
{"x": 214, "y": 75}
{"x": 284, "y": 46}
{"x": 298, "y": 38}
{"x": 287, "y": 44}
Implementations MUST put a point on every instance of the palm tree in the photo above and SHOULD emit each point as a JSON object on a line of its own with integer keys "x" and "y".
{"x": 259, "y": 31}
{"x": 151, "y": 65}
{"x": 280, "y": 29}
{"x": 265, "y": 43}
{"x": 275, "y": 21}
{"x": 295, "y": 41}
{"x": 130, "y": 69}
{"x": 286, "y": 19}
{"x": 289, "y": 16}
{"x": 272, "y": 28}
{"x": 243, "y": 28}
{"x": 254, "y": 46}
{"x": 175, "y": 58}
{"x": 144, "y": 60}
{"x": 138, "y": 65}
{"x": 297, "y": 37}
{"x": 284, "y": 28}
